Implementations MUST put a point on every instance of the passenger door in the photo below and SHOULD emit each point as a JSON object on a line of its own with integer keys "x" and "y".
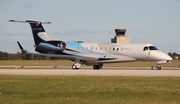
{"x": 147, "y": 52}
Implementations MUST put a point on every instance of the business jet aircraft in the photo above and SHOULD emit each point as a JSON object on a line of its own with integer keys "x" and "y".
{"x": 95, "y": 54}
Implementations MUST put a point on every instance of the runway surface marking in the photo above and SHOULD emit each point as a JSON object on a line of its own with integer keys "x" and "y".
{"x": 91, "y": 72}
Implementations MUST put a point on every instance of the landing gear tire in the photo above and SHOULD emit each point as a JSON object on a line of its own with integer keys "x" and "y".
{"x": 75, "y": 67}
{"x": 96, "y": 67}
{"x": 158, "y": 67}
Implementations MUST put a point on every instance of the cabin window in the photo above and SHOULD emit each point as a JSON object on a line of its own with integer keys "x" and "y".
{"x": 113, "y": 49}
{"x": 117, "y": 49}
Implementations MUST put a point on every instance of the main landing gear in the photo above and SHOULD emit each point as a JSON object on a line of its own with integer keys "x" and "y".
{"x": 97, "y": 67}
{"x": 76, "y": 66}
{"x": 158, "y": 67}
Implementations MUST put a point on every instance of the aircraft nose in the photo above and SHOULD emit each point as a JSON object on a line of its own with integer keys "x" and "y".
{"x": 168, "y": 58}
{"x": 164, "y": 56}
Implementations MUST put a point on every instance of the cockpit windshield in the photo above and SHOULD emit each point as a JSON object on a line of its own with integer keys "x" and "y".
{"x": 152, "y": 48}
{"x": 146, "y": 48}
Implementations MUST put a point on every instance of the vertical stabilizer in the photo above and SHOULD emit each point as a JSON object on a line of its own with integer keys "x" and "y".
{"x": 36, "y": 28}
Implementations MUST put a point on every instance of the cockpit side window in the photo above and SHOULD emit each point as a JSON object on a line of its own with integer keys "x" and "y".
{"x": 152, "y": 48}
{"x": 145, "y": 49}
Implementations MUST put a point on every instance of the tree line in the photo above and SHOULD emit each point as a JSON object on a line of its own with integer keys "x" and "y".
{"x": 174, "y": 55}
{"x": 23, "y": 56}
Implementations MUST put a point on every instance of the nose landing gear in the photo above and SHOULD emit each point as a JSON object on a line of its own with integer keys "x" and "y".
{"x": 76, "y": 66}
{"x": 158, "y": 67}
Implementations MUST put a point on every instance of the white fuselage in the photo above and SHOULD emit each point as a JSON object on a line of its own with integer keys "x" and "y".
{"x": 134, "y": 52}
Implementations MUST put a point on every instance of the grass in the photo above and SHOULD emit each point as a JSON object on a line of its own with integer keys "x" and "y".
{"x": 36, "y": 62}
{"x": 21, "y": 89}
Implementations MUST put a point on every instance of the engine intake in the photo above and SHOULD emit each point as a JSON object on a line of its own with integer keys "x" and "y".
{"x": 62, "y": 46}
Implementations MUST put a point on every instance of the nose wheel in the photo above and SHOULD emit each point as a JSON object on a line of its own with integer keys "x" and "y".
{"x": 76, "y": 66}
{"x": 158, "y": 67}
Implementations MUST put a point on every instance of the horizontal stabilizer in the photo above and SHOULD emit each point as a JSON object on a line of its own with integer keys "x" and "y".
{"x": 30, "y": 21}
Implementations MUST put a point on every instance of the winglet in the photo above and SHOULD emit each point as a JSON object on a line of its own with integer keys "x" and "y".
{"x": 21, "y": 48}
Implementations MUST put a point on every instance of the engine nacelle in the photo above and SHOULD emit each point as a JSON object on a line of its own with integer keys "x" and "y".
{"x": 62, "y": 46}
{"x": 51, "y": 46}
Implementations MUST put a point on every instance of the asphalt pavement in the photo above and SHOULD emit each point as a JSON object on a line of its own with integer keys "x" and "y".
{"x": 90, "y": 72}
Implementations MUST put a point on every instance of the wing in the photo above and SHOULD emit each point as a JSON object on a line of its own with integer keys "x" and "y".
{"x": 71, "y": 57}
{"x": 94, "y": 57}
{"x": 119, "y": 58}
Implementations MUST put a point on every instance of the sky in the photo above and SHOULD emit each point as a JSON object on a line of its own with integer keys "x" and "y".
{"x": 146, "y": 21}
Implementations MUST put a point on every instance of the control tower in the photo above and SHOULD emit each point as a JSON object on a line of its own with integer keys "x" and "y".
{"x": 120, "y": 36}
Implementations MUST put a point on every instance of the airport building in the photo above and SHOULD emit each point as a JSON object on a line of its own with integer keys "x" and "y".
{"x": 120, "y": 36}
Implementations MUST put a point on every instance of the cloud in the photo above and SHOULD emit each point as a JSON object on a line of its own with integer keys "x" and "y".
{"x": 78, "y": 32}
{"x": 1, "y": 27}
{"x": 28, "y": 6}
{"x": 13, "y": 33}
{"x": 141, "y": 31}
